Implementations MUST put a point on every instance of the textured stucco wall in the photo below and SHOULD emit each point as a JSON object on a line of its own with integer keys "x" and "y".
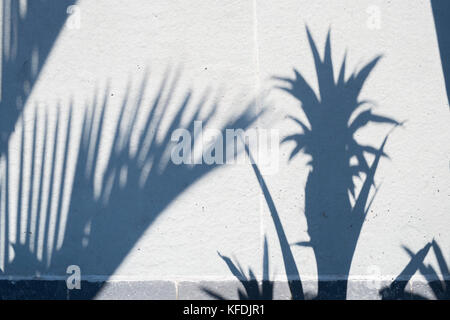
{"x": 235, "y": 48}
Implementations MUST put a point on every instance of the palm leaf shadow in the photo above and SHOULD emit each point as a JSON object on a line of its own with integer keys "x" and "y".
{"x": 29, "y": 31}
{"x": 100, "y": 230}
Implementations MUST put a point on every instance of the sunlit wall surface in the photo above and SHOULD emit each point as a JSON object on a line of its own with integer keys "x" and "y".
{"x": 123, "y": 127}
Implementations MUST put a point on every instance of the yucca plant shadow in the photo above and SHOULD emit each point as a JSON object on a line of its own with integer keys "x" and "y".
{"x": 328, "y": 137}
{"x": 439, "y": 287}
{"x": 101, "y": 229}
{"x": 29, "y": 31}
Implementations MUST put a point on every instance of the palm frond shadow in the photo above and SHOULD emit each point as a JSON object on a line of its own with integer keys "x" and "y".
{"x": 99, "y": 230}
{"x": 439, "y": 287}
{"x": 328, "y": 137}
{"x": 29, "y": 31}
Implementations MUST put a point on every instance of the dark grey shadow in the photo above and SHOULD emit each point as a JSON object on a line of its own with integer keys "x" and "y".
{"x": 328, "y": 137}
{"x": 250, "y": 283}
{"x": 101, "y": 230}
{"x": 441, "y": 13}
{"x": 27, "y": 40}
{"x": 440, "y": 288}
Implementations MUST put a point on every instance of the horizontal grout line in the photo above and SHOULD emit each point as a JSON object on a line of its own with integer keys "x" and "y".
{"x": 102, "y": 278}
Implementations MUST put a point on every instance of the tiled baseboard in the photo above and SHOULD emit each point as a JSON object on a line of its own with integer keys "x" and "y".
{"x": 197, "y": 290}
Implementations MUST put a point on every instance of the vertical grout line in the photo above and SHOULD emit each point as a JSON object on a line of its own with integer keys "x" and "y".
{"x": 256, "y": 47}
{"x": 258, "y": 109}
{"x": 176, "y": 290}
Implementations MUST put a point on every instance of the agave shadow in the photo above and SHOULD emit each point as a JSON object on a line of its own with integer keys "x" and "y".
{"x": 328, "y": 137}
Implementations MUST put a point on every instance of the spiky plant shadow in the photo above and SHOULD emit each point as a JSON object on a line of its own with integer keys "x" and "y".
{"x": 328, "y": 137}
{"x": 290, "y": 266}
{"x": 439, "y": 287}
{"x": 253, "y": 290}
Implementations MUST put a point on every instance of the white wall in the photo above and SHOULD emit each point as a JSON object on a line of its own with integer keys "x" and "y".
{"x": 235, "y": 47}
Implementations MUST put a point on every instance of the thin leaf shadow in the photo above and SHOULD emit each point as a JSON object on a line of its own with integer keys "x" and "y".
{"x": 253, "y": 289}
{"x": 250, "y": 284}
